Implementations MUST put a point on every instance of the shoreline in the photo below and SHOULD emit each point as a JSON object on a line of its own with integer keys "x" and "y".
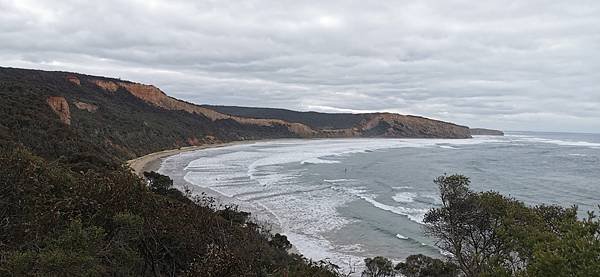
{"x": 152, "y": 161}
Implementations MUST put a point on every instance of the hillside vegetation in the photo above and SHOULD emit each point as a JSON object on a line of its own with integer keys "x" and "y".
{"x": 71, "y": 118}
{"x": 102, "y": 121}
{"x": 313, "y": 119}
{"x": 56, "y": 222}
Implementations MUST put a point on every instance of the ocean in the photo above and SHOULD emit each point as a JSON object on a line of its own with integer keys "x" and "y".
{"x": 347, "y": 199}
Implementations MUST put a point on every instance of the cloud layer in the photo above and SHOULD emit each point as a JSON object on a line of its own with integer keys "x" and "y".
{"x": 528, "y": 65}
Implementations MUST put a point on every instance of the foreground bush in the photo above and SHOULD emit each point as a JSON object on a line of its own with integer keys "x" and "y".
{"x": 55, "y": 222}
{"x": 488, "y": 234}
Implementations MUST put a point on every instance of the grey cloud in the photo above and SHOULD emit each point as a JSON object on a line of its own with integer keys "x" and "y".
{"x": 500, "y": 64}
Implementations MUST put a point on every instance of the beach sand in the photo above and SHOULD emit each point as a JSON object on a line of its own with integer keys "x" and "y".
{"x": 152, "y": 161}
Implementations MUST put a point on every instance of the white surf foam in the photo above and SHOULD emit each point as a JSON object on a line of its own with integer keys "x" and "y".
{"x": 413, "y": 214}
{"x": 559, "y": 142}
{"x": 319, "y": 161}
{"x": 402, "y": 187}
{"x": 447, "y": 147}
{"x": 404, "y": 197}
{"x": 401, "y": 237}
{"x": 337, "y": 180}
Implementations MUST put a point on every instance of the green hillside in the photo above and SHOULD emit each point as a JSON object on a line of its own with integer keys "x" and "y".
{"x": 121, "y": 127}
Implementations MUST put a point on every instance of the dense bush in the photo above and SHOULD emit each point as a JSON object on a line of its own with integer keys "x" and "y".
{"x": 423, "y": 266}
{"x": 56, "y": 222}
{"x": 488, "y": 234}
{"x": 493, "y": 235}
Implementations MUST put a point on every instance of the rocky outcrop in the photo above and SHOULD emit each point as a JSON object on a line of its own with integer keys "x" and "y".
{"x": 485, "y": 132}
{"x": 106, "y": 85}
{"x": 60, "y": 106}
{"x": 73, "y": 79}
{"x": 85, "y": 106}
{"x": 155, "y": 96}
{"x": 194, "y": 141}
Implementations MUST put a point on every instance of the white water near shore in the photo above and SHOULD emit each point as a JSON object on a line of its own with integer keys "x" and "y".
{"x": 254, "y": 173}
{"x": 316, "y": 192}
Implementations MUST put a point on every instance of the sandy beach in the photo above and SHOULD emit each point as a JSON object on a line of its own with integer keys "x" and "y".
{"x": 151, "y": 162}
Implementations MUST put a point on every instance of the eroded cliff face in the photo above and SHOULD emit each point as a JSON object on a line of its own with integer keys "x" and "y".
{"x": 397, "y": 125}
{"x": 373, "y": 125}
{"x": 60, "y": 106}
{"x": 390, "y": 125}
{"x": 106, "y": 85}
{"x": 73, "y": 79}
{"x": 86, "y": 106}
{"x": 155, "y": 96}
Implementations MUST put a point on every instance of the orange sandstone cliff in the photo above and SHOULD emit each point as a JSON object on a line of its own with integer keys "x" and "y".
{"x": 59, "y": 105}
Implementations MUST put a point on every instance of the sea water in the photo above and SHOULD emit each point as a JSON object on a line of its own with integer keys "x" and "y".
{"x": 347, "y": 199}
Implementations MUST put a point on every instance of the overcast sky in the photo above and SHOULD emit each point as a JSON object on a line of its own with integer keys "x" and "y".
{"x": 512, "y": 65}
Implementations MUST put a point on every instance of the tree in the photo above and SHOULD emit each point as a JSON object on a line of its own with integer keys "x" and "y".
{"x": 492, "y": 235}
{"x": 75, "y": 251}
{"x": 378, "y": 267}
{"x": 576, "y": 252}
{"x": 158, "y": 183}
{"x": 423, "y": 266}
{"x": 471, "y": 226}
{"x": 281, "y": 242}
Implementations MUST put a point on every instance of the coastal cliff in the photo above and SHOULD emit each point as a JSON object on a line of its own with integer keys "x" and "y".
{"x": 370, "y": 125}
{"x": 94, "y": 119}
{"x": 388, "y": 125}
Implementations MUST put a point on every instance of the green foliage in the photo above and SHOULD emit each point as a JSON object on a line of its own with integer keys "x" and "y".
{"x": 576, "y": 251}
{"x": 232, "y": 214}
{"x": 378, "y": 267}
{"x": 158, "y": 183}
{"x": 423, "y": 266}
{"x": 492, "y": 235}
{"x": 56, "y": 222}
{"x": 281, "y": 242}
